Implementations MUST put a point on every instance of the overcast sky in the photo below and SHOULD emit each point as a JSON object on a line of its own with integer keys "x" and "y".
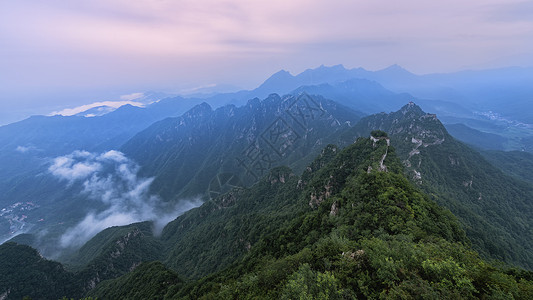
{"x": 60, "y": 54}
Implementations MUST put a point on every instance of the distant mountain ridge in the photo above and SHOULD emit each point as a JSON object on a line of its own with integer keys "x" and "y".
{"x": 221, "y": 143}
{"x": 481, "y": 99}
{"x": 350, "y": 226}
{"x": 278, "y": 130}
{"x": 467, "y": 97}
{"x": 457, "y": 176}
{"x": 27, "y": 147}
{"x": 206, "y": 151}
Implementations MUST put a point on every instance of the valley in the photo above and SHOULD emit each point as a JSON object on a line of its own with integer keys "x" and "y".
{"x": 266, "y": 150}
{"x": 217, "y": 200}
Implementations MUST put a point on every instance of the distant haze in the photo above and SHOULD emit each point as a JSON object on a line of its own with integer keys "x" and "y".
{"x": 62, "y": 54}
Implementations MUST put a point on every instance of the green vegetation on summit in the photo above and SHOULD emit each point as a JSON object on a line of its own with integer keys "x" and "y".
{"x": 358, "y": 229}
{"x": 370, "y": 219}
{"x": 495, "y": 209}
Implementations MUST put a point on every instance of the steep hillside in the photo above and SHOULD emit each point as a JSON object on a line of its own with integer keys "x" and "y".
{"x": 113, "y": 252}
{"x": 124, "y": 248}
{"x": 29, "y": 147}
{"x": 452, "y": 173}
{"x": 148, "y": 281}
{"x": 515, "y": 163}
{"x": 476, "y": 138}
{"x": 352, "y": 225}
{"x": 24, "y": 272}
{"x": 358, "y": 228}
{"x": 495, "y": 209}
{"x": 189, "y": 153}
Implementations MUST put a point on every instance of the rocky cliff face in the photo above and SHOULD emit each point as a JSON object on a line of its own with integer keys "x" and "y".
{"x": 411, "y": 131}
{"x": 453, "y": 174}
{"x": 460, "y": 179}
{"x": 188, "y": 153}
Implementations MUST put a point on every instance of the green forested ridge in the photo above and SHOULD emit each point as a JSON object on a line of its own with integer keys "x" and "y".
{"x": 184, "y": 154}
{"x": 149, "y": 280}
{"x": 350, "y": 225}
{"x": 111, "y": 239}
{"x": 495, "y": 209}
{"x": 225, "y": 228}
{"x": 24, "y": 272}
{"x": 115, "y": 251}
{"x": 370, "y": 235}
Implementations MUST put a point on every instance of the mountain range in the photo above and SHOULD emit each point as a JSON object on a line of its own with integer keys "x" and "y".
{"x": 302, "y": 184}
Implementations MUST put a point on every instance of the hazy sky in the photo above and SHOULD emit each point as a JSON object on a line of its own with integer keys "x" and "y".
{"x": 59, "y": 54}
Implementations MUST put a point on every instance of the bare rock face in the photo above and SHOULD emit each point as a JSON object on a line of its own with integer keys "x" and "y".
{"x": 412, "y": 132}
{"x": 317, "y": 198}
{"x": 334, "y": 209}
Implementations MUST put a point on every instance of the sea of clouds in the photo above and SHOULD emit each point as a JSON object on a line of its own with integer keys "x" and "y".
{"x": 112, "y": 179}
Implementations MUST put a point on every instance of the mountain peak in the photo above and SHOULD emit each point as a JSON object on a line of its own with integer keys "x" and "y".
{"x": 278, "y": 76}
{"x": 325, "y": 74}
{"x": 281, "y": 81}
{"x": 335, "y": 67}
{"x": 199, "y": 110}
{"x": 412, "y": 108}
{"x": 395, "y": 69}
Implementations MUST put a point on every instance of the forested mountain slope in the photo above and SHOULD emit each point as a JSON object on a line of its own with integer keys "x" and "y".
{"x": 359, "y": 228}
{"x": 515, "y": 163}
{"x": 495, "y": 209}
{"x": 187, "y": 153}
{"x": 357, "y": 222}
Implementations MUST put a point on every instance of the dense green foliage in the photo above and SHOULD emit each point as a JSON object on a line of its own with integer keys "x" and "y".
{"x": 114, "y": 252}
{"x": 495, "y": 209}
{"x": 147, "y": 281}
{"x": 23, "y": 272}
{"x": 134, "y": 240}
{"x": 223, "y": 229}
{"x": 515, "y": 163}
{"x": 371, "y": 235}
{"x": 351, "y": 226}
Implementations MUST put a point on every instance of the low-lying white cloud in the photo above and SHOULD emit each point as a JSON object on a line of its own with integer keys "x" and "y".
{"x": 82, "y": 108}
{"x": 114, "y": 155}
{"x": 112, "y": 179}
{"x": 132, "y": 96}
{"x": 77, "y": 165}
{"x": 24, "y": 149}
